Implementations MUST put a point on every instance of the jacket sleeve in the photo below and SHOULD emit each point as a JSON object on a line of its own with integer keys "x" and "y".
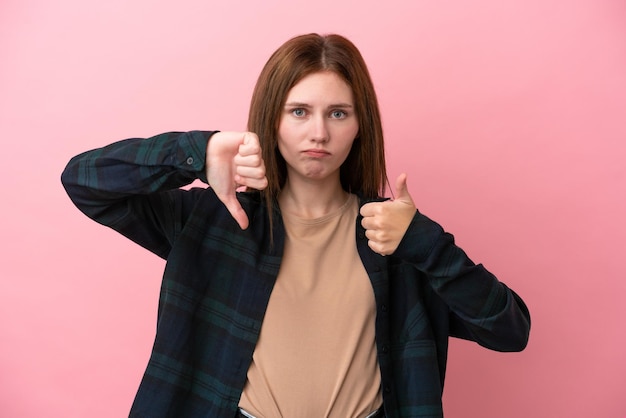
{"x": 133, "y": 186}
{"x": 482, "y": 308}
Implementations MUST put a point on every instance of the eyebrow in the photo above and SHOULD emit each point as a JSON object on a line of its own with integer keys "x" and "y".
{"x": 331, "y": 106}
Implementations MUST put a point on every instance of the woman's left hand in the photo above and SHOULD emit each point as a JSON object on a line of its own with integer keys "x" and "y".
{"x": 386, "y": 222}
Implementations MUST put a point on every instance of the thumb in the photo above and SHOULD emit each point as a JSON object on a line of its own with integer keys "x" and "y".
{"x": 402, "y": 191}
{"x": 236, "y": 211}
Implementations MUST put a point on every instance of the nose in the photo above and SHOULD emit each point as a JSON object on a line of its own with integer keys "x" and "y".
{"x": 319, "y": 130}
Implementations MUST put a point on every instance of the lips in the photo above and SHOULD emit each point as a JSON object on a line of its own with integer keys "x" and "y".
{"x": 316, "y": 153}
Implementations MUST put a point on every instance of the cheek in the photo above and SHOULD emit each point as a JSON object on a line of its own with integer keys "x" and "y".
{"x": 352, "y": 129}
{"x": 281, "y": 134}
{"x": 346, "y": 148}
{"x": 281, "y": 146}
{"x": 348, "y": 135}
{"x": 286, "y": 133}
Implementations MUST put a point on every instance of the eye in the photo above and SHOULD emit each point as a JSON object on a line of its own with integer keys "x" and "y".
{"x": 298, "y": 112}
{"x": 338, "y": 114}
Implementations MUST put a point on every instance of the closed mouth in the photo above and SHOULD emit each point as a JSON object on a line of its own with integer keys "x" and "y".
{"x": 314, "y": 152}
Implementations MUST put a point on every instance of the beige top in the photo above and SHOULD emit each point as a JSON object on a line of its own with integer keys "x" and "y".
{"x": 316, "y": 355}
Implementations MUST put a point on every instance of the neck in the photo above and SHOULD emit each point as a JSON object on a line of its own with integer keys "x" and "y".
{"x": 311, "y": 200}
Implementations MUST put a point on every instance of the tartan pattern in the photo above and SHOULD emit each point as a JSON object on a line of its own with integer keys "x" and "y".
{"x": 218, "y": 280}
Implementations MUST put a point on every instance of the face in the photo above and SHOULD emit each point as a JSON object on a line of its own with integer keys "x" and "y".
{"x": 317, "y": 127}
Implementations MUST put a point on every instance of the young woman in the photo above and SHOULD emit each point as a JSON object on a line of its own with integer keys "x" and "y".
{"x": 307, "y": 295}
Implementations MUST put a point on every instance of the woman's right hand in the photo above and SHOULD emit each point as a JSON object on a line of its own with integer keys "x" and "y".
{"x": 233, "y": 160}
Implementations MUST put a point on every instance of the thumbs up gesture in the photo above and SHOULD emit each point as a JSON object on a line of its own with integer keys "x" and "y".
{"x": 386, "y": 222}
{"x": 234, "y": 160}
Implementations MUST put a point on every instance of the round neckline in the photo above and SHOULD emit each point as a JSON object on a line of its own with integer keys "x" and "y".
{"x": 322, "y": 219}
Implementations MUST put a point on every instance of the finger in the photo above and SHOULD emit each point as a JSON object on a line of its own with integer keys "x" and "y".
{"x": 402, "y": 190}
{"x": 252, "y": 176}
{"x": 376, "y": 247}
{"x": 370, "y": 223}
{"x": 236, "y": 211}
{"x": 375, "y": 235}
{"x": 250, "y": 137}
{"x": 250, "y": 144}
{"x": 369, "y": 209}
{"x": 250, "y": 172}
{"x": 258, "y": 183}
{"x": 248, "y": 160}
{"x": 248, "y": 150}
{"x": 401, "y": 187}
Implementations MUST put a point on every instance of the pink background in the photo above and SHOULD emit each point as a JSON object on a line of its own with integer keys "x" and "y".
{"x": 510, "y": 118}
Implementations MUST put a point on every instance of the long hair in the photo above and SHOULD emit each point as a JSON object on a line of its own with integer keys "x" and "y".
{"x": 364, "y": 171}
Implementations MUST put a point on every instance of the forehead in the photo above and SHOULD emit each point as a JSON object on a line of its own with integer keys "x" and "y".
{"x": 320, "y": 87}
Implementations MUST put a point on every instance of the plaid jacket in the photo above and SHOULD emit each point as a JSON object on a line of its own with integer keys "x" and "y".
{"x": 218, "y": 280}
